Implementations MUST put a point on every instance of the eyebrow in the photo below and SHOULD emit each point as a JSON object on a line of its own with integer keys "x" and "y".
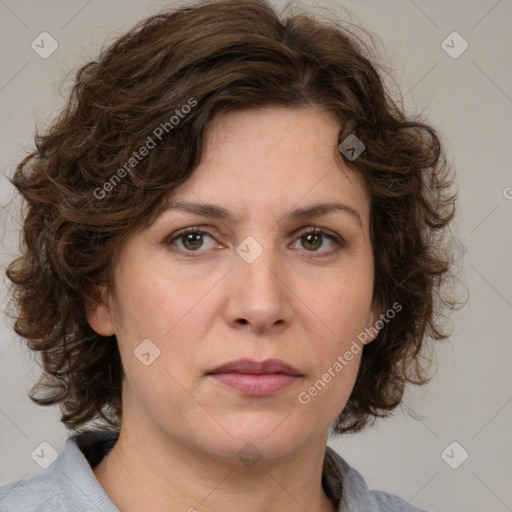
{"x": 218, "y": 212}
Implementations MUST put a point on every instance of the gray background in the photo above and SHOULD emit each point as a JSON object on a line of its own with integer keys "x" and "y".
{"x": 469, "y": 99}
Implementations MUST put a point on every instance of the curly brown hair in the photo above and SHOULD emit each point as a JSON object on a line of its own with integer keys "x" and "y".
{"x": 224, "y": 55}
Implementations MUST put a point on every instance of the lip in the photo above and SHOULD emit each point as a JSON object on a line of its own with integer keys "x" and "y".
{"x": 252, "y": 367}
{"x": 253, "y": 378}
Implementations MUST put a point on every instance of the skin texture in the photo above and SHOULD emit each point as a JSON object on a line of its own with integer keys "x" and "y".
{"x": 300, "y": 301}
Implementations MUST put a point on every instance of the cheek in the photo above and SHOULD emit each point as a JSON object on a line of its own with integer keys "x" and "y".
{"x": 335, "y": 349}
{"x": 326, "y": 394}
{"x": 157, "y": 304}
{"x": 343, "y": 309}
{"x": 160, "y": 323}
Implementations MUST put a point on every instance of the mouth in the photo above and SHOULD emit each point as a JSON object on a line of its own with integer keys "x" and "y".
{"x": 253, "y": 378}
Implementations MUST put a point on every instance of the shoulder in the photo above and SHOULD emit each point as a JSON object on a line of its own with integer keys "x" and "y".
{"x": 388, "y": 502}
{"x": 36, "y": 494}
{"x": 69, "y": 485}
{"x": 354, "y": 493}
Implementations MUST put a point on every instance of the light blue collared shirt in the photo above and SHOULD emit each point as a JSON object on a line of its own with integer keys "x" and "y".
{"x": 70, "y": 485}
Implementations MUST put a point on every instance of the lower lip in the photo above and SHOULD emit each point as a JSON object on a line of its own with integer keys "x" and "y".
{"x": 256, "y": 385}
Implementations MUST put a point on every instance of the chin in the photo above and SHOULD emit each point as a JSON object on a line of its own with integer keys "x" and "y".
{"x": 257, "y": 436}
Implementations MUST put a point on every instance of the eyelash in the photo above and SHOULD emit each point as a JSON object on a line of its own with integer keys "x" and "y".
{"x": 308, "y": 231}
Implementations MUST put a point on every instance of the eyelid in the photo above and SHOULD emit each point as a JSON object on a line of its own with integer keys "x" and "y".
{"x": 318, "y": 230}
{"x": 307, "y": 230}
{"x": 315, "y": 230}
{"x": 185, "y": 231}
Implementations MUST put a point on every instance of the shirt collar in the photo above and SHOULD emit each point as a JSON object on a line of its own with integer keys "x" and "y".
{"x": 84, "y": 451}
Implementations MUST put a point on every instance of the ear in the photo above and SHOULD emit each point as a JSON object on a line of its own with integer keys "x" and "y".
{"x": 99, "y": 314}
{"x": 375, "y": 314}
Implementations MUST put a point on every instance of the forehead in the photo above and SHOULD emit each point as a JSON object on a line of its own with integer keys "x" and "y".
{"x": 268, "y": 160}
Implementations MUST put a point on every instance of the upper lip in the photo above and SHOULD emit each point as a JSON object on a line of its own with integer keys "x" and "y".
{"x": 254, "y": 367}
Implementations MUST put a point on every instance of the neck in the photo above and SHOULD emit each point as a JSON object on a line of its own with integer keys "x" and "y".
{"x": 147, "y": 471}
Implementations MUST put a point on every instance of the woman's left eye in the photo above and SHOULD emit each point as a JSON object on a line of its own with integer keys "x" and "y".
{"x": 313, "y": 239}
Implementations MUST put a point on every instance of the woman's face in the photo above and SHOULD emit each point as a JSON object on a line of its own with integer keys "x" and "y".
{"x": 251, "y": 285}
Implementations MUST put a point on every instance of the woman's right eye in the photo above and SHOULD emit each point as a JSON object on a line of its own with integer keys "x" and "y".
{"x": 190, "y": 240}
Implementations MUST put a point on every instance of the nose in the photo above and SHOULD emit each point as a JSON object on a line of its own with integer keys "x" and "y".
{"x": 259, "y": 296}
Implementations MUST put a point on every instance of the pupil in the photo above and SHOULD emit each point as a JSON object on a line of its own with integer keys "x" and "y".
{"x": 193, "y": 241}
{"x": 313, "y": 238}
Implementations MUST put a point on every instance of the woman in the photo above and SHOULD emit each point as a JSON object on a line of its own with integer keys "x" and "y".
{"x": 233, "y": 246}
